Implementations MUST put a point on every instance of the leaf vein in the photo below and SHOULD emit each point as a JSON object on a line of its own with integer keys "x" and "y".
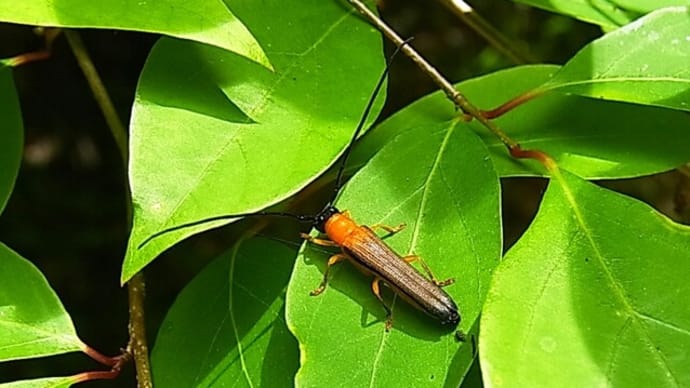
{"x": 617, "y": 289}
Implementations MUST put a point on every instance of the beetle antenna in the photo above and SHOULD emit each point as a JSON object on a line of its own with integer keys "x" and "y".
{"x": 362, "y": 121}
{"x": 338, "y": 182}
{"x": 300, "y": 218}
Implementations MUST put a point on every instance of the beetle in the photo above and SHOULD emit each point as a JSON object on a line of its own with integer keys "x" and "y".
{"x": 361, "y": 246}
{"x": 368, "y": 252}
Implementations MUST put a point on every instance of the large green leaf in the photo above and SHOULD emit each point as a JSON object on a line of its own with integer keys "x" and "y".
{"x": 440, "y": 181}
{"x": 226, "y": 328}
{"x": 215, "y": 134}
{"x": 645, "y": 62}
{"x": 33, "y": 323}
{"x": 46, "y": 382}
{"x": 203, "y": 21}
{"x": 600, "y": 12}
{"x": 594, "y": 294}
{"x": 594, "y": 138}
{"x": 645, "y": 6}
{"x": 11, "y": 135}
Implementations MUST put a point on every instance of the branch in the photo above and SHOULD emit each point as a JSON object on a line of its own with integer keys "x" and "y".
{"x": 493, "y": 36}
{"x": 136, "y": 289}
{"x": 136, "y": 286}
{"x": 455, "y": 96}
{"x": 117, "y": 129}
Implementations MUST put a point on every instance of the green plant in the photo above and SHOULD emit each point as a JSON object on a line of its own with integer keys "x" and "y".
{"x": 592, "y": 293}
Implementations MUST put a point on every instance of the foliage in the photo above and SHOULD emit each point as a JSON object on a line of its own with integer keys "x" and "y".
{"x": 592, "y": 294}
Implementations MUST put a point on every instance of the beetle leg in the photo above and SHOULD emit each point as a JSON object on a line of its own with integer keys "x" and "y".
{"x": 412, "y": 258}
{"x": 318, "y": 241}
{"x": 333, "y": 260}
{"x": 389, "y": 314}
{"x": 387, "y": 228}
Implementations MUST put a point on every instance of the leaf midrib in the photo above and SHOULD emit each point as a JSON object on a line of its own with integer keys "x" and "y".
{"x": 618, "y": 291}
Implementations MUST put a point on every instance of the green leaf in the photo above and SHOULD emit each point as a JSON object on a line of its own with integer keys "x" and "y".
{"x": 47, "y": 382}
{"x": 601, "y": 12}
{"x": 439, "y": 181}
{"x": 645, "y": 62}
{"x": 215, "y": 134}
{"x": 33, "y": 323}
{"x": 209, "y": 22}
{"x": 218, "y": 335}
{"x": 11, "y": 135}
{"x": 594, "y": 138}
{"x": 594, "y": 294}
{"x": 645, "y": 6}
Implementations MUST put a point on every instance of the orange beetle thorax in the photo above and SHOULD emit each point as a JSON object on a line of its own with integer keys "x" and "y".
{"x": 339, "y": 226}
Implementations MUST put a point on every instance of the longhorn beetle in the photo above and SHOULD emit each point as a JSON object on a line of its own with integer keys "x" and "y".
{"x": 363, "y": 248}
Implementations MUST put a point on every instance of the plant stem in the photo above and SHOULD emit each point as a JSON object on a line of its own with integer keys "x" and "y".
{"x": 493, "y": 36}
{"x": 512, "y": 104}
{"x": 96, "y": 355}
{"x": 115, "y": 364}
{"x": 136, "y": 289}
{"x": 455, "y": 96}
{"x": 49, "y": 35}
{"x": 117, "y": 129}
{"x": 25, "y": 58}
{"x": 137, "y": 285}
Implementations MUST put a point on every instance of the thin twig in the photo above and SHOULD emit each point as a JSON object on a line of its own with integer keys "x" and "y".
{"x": 117, "y": 129}
{"x": 136, "y": 286}
{"x": 115, "y": 363}
{"x": 458, "y": 98}
{"x": 493, "y": 36}
{"x": 49, "y": 35}
{"x": 26, "y": 58}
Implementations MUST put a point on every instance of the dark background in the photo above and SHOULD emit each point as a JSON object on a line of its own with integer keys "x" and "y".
{"x": 67, "y": 212}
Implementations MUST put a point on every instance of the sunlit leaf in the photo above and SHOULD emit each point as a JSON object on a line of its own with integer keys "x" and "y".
{"x": 594, "y": 294}
{"x": 215, "y": 134}
{"x": 210, "y": 22}
{"x": 47, "y": 382}
{"x": 645, "y": 62}
{"x": 645, "y": 6}
{"x": 221, "y": 335}
{"x": 595, "y": 138}
{"x": 33, "y": 322}
{"x": 440, "y": 181}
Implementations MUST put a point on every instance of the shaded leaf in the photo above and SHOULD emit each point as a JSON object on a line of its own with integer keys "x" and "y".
{"x": 645, "y": 62}
{"x": 209, "y": 22}
{"x": 440, "y": 181}
{"x": 216, "y": 134}
{"x": 601, "y": 12}
{"x": 33, "y": 322}
{"x": 11, "y": 135}
{"x": 593, "y": 294}
{"x": 218, "y": 335}
{"x": 594, "y": 138}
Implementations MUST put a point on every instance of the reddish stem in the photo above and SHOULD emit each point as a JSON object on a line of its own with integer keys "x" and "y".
{"x": 96, "y": 375}
{"x": 49, "y": 35}
{"x": 542, "y": 157}
{"x": 25, "y": 58}
{"x": 101, "y": 358}
{"x": 511, "y": 104}
{"x": 115, "y": 363}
